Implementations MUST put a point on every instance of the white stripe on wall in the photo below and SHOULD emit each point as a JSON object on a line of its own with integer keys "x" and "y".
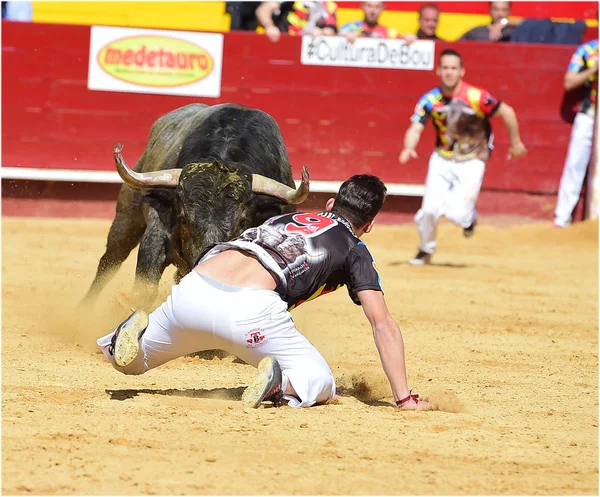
{"x": 76, "y": 176}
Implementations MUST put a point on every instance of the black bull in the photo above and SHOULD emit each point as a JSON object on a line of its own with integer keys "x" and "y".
{"x": 206, "y": 174}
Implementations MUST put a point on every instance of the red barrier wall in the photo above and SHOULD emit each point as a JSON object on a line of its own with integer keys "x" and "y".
{"x": 339, "y": 121}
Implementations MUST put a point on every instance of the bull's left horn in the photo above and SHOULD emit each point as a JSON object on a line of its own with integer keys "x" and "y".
{"x": 167, "y": 178}
{"x": 268, "y": 186}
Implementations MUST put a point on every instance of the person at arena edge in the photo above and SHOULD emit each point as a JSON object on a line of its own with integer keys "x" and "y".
{"x": 460, "y": 113}
{"x": 429, "y": 16}
{"x": 369, "y": 26}
{"x": 239, "y": 296}
{"x": 582, "y": 71}
{"x": 297, "y": 18}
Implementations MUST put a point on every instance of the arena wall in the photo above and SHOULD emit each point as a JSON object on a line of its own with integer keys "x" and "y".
{"x": 338, "y": 120}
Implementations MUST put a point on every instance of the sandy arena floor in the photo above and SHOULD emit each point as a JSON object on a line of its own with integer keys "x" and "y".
{"x": 502, "y": 332}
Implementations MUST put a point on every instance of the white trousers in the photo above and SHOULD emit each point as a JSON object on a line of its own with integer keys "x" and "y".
{"x": 203, "y": 314}
{"x": 451, "y": 190}
{"x": 578, "y": 158}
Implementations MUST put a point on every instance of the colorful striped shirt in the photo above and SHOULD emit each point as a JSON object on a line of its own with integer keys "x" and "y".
{"x": 295, "y": 17}
{"x": 362, "y": 29}
{"x": 586, "y": 56}
{"x": 461, "y": 122}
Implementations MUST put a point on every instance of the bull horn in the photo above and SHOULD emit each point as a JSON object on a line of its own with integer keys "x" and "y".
{"x": 167, "y": 178}
{"x": 268, "y": 186}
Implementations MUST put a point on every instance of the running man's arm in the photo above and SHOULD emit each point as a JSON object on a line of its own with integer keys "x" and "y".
{"x": 411, "y": 140}
{"x": 413, "y": 133}
{"x": 507, "y": 113}
{"x": 390, "y": 345}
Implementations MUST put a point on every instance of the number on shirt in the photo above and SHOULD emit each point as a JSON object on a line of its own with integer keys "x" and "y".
{"x": 309, "y": 225}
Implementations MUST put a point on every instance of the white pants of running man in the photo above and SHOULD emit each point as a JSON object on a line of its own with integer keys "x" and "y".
{"x": 578, "y": 158}
{"x": 451, "y": 190}
{"x": 203, "y": 314}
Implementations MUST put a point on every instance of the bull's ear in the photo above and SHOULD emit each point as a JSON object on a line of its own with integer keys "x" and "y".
{"x": 160, "y": 198}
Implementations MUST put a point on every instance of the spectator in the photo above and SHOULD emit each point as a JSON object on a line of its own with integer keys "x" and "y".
{"x": 297, "y": 18}
{"x": 429, "y": 15}
{"x": 461, "y": 115}
{"x": 369, "y": 26}
{"x": 547, "y": 31}
{"x": 17, "y": 11}
{"x": 243, "y": 15}
{"x": 582, "y": 71}
{"x": 499, "y": 29}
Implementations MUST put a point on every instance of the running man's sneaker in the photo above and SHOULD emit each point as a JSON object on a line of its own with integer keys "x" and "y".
{"x": 124, "y": 345}
{"x": 267, "y": 385}
{"x": 420, "y": 259}
{"x": 470, "y": 230}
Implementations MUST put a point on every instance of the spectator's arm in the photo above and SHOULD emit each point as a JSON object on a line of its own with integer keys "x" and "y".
{"x": 409, "y": 38}
{"x": 264, "y": 13}
{"x": 576, "y": 79}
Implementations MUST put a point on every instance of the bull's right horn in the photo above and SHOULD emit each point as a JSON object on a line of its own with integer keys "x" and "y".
{"x": 268, "y": 186}
{"x": 167, "y": 178}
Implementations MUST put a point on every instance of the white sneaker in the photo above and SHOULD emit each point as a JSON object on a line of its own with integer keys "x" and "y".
{"x": 420, "y": 259}
{"x": 267, "y": 385}
{"x": 124, "y": 345}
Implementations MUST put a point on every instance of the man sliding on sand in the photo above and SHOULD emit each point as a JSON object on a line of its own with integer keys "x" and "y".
{"x": 239, "y": 296}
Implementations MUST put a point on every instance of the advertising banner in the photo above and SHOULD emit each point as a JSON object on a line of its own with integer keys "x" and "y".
{"x": 368, "y": 52}
{"x": 155, "y": 61}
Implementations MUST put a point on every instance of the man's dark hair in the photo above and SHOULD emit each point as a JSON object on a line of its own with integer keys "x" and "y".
{"x": 359, "y": 199}
{"x": 428, "y": 6}
{"x": 450, "y": 51}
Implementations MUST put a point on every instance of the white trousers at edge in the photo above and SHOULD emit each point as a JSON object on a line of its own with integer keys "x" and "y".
{"x": 203, "y": 314}
{"x": 451, "y": 190}
{"x": 578, "y": 158}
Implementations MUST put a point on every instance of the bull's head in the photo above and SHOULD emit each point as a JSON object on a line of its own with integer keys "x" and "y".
{"x": 212, "y": 201}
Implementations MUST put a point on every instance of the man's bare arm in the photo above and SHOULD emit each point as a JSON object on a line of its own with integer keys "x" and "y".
{"x": 575, "y": 79}
{"x": 264, "y": 13}
{"x": 390, "y": 345}
{"x": 411, "y": 140}
{"x": 508, "y": 115}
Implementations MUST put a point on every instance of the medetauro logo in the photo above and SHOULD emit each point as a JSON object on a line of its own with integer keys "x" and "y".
{"x": 155, "y": 61}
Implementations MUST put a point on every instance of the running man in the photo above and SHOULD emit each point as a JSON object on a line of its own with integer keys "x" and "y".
{"x": 460, "y": 113}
